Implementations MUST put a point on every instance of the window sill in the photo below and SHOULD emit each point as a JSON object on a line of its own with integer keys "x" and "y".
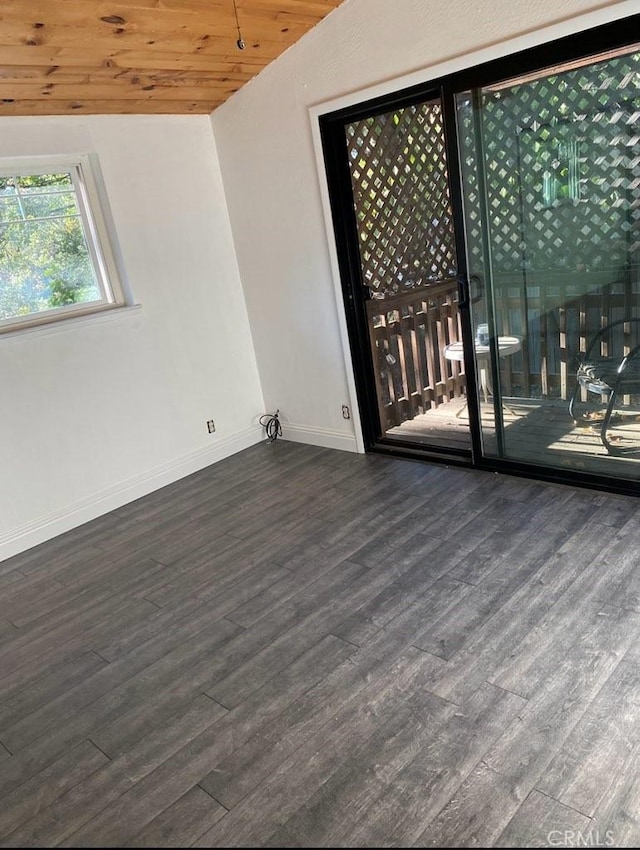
{"x": 66, "y": 324}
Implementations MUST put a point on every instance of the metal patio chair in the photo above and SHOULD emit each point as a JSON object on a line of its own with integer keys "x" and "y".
{"x": 608, "y": 372}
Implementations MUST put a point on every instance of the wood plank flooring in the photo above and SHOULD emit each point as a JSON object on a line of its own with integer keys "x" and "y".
{"x": 536, "y": 431}
{"x": 301, "y": 647}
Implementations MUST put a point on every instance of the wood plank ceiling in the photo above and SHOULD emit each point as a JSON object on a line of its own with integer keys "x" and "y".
{"x": 61, "y": 57}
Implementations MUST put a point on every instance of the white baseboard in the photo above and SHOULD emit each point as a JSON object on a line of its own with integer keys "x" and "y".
{"x": 71, "y": 516}
{"x": 325, "y": 437}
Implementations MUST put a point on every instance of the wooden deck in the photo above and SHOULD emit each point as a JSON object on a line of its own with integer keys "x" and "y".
{"x": 537, "y": 431}
{"x": 301, "y": 647}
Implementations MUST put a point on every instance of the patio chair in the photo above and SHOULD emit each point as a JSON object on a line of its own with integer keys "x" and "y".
{"x": 611, "y": 374}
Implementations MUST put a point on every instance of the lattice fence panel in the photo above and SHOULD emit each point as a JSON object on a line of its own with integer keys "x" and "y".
{"x": 401, "y": 199}
{"x": 562, "y": 170}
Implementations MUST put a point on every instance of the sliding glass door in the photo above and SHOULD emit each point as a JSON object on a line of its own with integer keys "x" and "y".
{"x": 550, "y": 181}
{"x": 405, "y": 289}
{"x": 488, "y": 234}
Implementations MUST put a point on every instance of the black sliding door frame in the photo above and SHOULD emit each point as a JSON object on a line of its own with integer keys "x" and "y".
{"x": 345, "y": 230}
{"x": 578, "y": 46}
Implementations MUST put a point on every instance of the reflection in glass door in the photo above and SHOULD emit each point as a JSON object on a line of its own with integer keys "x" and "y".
{"x": 551, "y": 184}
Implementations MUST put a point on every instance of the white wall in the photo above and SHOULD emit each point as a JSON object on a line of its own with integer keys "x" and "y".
{"x": 103, "y": 410}
{"x": 265, "y": 144}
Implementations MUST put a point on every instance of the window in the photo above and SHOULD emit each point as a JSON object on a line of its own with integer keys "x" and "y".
{"x": 56, "y": 260}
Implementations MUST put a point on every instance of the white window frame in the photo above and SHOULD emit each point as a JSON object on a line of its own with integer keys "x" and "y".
{"x": 98, "y": 231}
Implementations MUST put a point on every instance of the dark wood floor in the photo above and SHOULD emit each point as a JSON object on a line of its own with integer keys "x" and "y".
{"x": 301, "y": 647}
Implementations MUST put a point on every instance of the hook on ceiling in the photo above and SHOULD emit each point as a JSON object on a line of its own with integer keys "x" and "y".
{"x": 240, "y": 42}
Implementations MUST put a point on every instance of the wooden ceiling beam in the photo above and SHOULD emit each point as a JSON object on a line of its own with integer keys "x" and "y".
{"x": 315, "y": 8}
{"x": 41, "y": 74}
{"x": 104, "y": 107}
{"x": 95, "y": 38}
{"x": 124, "y": 90}
{"x": 100, "y": 20}
{"x": 64, "y": 57}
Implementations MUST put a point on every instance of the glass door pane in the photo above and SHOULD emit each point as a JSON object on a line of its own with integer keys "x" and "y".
{"x": 408, "y": 267}
{"x": 551, "y": 182}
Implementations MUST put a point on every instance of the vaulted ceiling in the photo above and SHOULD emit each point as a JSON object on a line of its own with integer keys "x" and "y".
{"x": 62, "y": 57}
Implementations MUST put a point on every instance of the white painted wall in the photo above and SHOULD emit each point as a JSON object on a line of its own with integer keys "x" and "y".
{"x": 101, "y": 411}
{"x": 277, "y": 202}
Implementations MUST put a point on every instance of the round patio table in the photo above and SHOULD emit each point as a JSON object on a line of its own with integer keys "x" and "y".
{"x": 507, "y": 345}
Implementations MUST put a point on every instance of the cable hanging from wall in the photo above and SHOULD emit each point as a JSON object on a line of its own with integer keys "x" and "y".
{"x": 271, "y": 424}
{"x": 240, "y": 42}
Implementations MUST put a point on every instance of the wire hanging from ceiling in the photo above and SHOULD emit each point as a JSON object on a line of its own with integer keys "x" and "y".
{"x": 240, "y": 42}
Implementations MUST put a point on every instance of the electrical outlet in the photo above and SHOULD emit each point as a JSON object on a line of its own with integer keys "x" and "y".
{"x": 211, "y": 426}
{"x": 346, "y": 413}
